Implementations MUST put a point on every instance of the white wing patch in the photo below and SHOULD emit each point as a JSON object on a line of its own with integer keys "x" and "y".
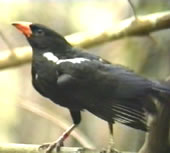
{"x": 51, "y": 57}
{"x": 73, "y": 60}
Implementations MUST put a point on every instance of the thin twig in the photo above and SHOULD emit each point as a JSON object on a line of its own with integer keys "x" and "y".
{"x": 133, "y": 9}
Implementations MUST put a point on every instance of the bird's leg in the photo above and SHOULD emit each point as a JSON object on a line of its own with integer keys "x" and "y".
{"x": 59, "y": 142}
{"x": 76, "y": 116}
{"x": 111, "y": 148}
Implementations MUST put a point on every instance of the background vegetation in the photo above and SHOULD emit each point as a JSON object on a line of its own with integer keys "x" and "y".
{"x": 21, "y": 121}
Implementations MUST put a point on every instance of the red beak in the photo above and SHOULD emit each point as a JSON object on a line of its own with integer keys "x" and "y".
{"x": 24, "y": 27}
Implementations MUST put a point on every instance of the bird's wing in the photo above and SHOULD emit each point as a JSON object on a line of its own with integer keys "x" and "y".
{"x": 83, "y": 53}
{"x": 110, "y": 92}
{"x": 121, "y": 82}
{"x": 129, "y": 113}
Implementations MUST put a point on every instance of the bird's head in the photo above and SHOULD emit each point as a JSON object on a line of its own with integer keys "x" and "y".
{"x": 41, "y": 37}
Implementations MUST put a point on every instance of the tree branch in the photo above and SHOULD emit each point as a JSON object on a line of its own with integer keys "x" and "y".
{"x": 28, "y": 148}
{"x": 144, "y": 25}
{"x": 18, "y": 57}
{"x": 128, "y": 27}
{"x": 156, "y": 140}
{"x": 6, "y": 41}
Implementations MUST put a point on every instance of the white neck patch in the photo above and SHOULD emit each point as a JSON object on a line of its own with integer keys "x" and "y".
{"x": 51, "y": 57}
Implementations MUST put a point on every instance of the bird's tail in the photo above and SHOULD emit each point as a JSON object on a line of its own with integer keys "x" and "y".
{"x": 161, "y": 90}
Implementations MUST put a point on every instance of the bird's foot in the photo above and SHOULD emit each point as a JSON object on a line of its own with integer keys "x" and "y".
{"x": 59, "y": 142}
{"x": 48, "y": 147}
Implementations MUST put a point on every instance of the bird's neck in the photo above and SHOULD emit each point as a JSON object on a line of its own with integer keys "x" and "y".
{"x": 52, "y": 55}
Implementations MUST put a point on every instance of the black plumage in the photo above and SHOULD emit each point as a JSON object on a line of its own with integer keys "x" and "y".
{"x": 80, "y": 81}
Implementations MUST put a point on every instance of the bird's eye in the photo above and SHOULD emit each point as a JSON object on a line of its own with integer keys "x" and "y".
{"x": 39, "y": 32}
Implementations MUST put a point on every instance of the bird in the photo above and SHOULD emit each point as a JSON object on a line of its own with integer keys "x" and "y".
{"x": 73, "y": 78}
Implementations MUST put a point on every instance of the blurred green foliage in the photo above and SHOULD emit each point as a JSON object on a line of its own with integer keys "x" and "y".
{"x": 147, "y": 55}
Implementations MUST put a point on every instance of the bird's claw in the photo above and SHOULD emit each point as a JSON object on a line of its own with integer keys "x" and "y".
{"x": 44, "y": 146}
{"x": 48, "y": 147}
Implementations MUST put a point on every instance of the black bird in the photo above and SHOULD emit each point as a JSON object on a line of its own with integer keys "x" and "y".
{"x": 80, "y": 81}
